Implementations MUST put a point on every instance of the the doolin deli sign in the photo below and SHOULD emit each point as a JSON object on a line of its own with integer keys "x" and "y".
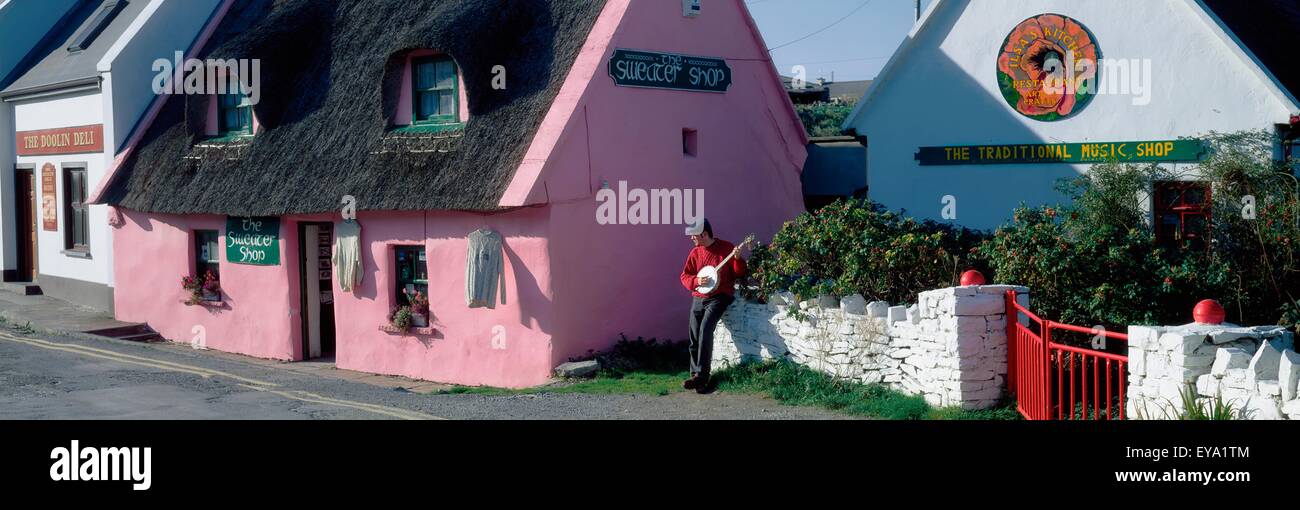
{"x": 254, "y": 240}
{"x": 1090, "y": 152}
{"x": 70, "y": 140}
{"x": 633, "y": 68}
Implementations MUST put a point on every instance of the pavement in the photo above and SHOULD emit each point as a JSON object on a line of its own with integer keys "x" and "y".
{"x": 51, "y": 369}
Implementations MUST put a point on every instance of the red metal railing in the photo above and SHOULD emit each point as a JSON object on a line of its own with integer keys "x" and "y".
{"x": 1054, "y": 380}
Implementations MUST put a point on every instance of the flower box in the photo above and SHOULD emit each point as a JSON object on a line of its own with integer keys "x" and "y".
{"x": 393, "y": 330}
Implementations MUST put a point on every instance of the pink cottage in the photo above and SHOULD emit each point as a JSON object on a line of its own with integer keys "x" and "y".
{"x": 567, "y": 129}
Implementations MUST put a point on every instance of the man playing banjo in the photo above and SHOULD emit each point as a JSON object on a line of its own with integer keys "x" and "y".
{"x": 710, "y": 274}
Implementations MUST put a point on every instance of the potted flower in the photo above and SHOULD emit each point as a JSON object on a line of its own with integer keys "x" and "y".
{"x": 419, "y": 307}
{"x": 211, "y": 290}
{"x": 194, "y": 286}
{"x": 400, "y": 318}
{"x": 207, "y": 288}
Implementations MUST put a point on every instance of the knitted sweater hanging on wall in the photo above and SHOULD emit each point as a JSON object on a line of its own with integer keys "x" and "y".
{"x": 484, "y": 269}
{"x": 347, "y": 255}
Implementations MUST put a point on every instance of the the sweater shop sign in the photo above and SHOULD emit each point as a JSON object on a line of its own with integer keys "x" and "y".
{"x": 69, "y": 140}
{"x": 253, "y": 240}
{"x": 1167, "y": 151}
{"x": 634, "y": 68}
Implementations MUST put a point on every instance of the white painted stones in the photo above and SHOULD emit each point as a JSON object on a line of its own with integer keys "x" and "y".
{"x": 1264, "y": 365}
{"x": 979, "y": 304}
{"x": 1288, "y": 374}
{"x": 1181, "y": 342}
{"x": 855, "y": 305}
{"x": 1231, "y": 357}
{"x": 877, "y": 309}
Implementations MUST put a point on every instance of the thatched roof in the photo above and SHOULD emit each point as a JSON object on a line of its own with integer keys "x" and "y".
{"x": 1270, "y": 29}
{"x": 325, "y": 67}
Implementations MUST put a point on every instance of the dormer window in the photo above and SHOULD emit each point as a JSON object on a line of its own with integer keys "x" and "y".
{"x": 435, "y": 98}
{"x": 234, "y": 115}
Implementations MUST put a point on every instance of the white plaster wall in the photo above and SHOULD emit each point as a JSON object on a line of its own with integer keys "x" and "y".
{"x": 943, "y": 91}
{"x": 76, "y": 109}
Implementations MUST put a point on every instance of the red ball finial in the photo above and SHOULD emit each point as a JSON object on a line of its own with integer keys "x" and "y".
{"x": 1209, "y": 311}
{"x": 972, "y": 277}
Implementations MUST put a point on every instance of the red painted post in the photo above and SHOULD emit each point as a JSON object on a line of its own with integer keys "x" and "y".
{"x": 1013, "y": 317}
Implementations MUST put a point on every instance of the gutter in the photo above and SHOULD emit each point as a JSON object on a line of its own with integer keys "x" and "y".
{"x": 50, "y": 89}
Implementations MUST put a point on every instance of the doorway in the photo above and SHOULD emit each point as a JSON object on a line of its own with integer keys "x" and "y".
{"x": 25, "y": 222}
{"x": 315, "y": 241}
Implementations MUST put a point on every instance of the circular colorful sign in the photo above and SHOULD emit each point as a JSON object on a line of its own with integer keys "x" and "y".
{"x": 1048, "y": 67}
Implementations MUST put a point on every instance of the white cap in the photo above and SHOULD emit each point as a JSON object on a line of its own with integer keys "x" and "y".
{"x": 696, "y": 228}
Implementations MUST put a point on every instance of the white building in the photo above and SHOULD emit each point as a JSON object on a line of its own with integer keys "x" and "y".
{"x": 933, "y": 117}
{"x": 75, "y": 77}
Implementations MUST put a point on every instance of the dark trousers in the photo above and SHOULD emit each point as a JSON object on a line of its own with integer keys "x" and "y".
{"x": 705, "y": 314}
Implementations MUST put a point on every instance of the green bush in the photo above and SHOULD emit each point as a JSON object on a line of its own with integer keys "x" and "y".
{"x": 856, "y": 247}
{"x": 1097, "y": 274}
{"x": 824, "y": 119}
{"x": 1097, "y": 261}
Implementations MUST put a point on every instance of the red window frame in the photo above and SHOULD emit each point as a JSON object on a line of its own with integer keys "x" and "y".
{"x": 1182, "y": 212}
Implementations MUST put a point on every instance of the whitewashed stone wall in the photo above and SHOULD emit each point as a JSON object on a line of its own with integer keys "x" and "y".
{"x": 950, "y": 347}
{"x": 1254, "y": 369}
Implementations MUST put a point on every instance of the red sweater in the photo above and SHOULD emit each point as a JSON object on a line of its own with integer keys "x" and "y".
{"x": 701, "y": 256}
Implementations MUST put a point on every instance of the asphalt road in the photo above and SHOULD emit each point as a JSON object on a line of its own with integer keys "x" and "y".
{"x": 55, "y": 377}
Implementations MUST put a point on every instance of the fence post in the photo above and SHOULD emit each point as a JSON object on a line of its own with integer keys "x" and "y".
{"x": 1013, "y": 317}
{"x": 1047, "y": 372}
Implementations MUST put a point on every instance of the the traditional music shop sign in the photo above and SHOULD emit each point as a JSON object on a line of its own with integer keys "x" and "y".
{"x": 1098, "y": 152}
{"x": 69, "y": 140}
{"x": 634, "y": 68}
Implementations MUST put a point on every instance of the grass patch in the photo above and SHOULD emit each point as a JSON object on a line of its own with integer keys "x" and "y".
{"x": 603, "y": 384}
{"x": 792, "y": 384}
{"x": 642, "y": 366}
{"x": 650, "y": 367}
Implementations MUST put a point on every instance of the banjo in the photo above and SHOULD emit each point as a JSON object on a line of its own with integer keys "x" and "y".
{"x": 711, "y": 272}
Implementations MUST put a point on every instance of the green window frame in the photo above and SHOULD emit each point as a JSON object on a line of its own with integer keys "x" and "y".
{"x": 435, "y": 91}
{"x": 234, "y": 115}
{"x": 411, "y": 270}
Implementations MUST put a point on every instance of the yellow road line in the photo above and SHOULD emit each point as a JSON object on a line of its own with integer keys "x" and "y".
{"x": 156, "y": 363}
{"x": 58, "y": 347}
{"x": 313, "y": 398}
{"x": 252, "y": 384}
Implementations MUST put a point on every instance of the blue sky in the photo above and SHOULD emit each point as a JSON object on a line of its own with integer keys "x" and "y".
{"x": 855, "y": 49}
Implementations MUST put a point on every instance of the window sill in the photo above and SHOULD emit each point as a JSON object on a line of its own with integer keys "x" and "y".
{"x": 429, "y": 128}
{"x": 413, "y": 331}
{"x": 77, "y": 254}
{"x": 205, "y": 303}
{"x": 226, "y": 138}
